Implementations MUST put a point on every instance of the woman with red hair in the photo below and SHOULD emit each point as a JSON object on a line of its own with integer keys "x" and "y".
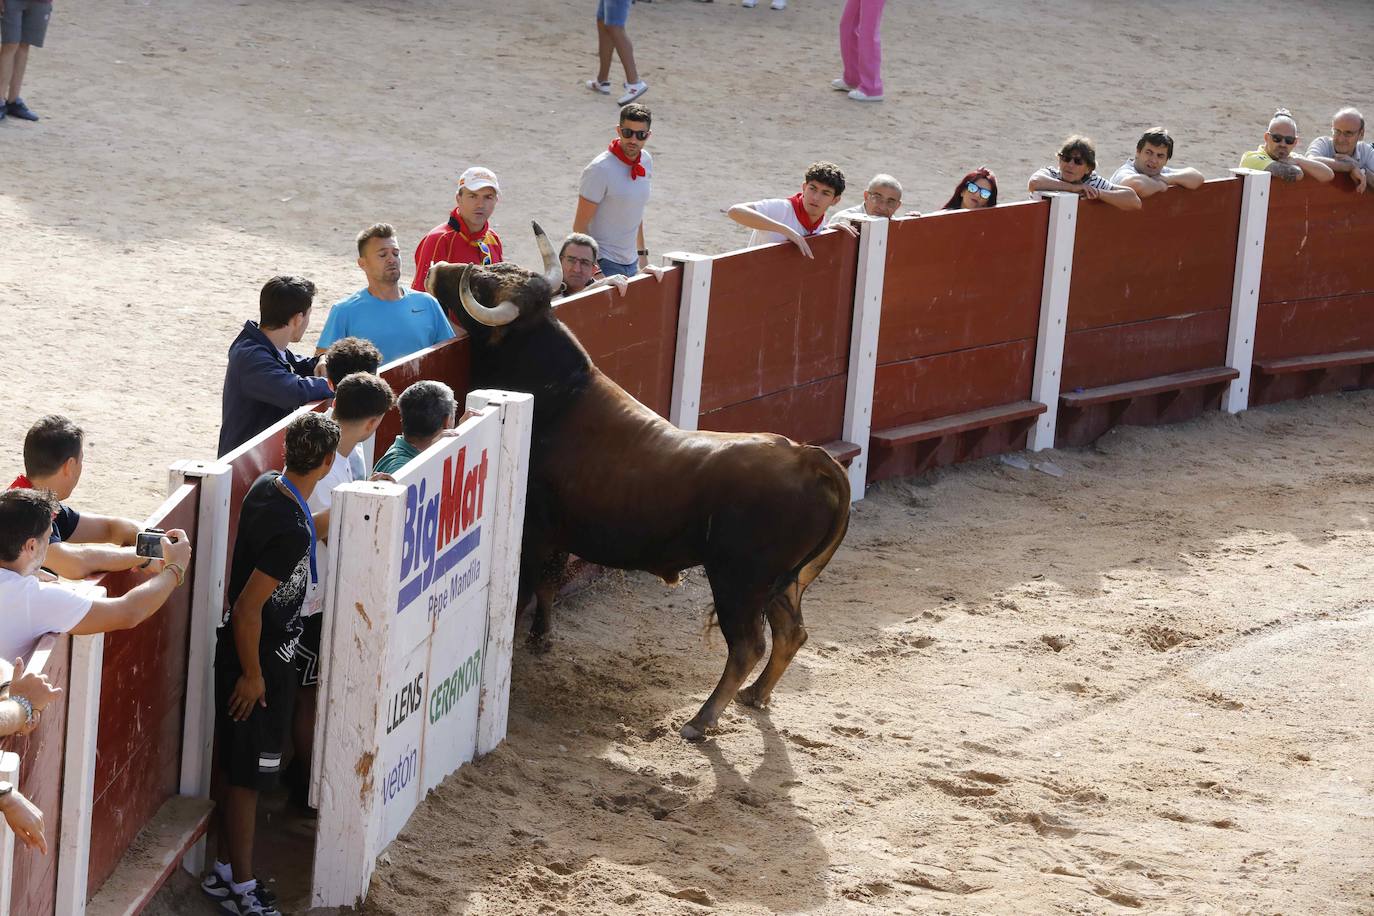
{"x": 976, "y": 190}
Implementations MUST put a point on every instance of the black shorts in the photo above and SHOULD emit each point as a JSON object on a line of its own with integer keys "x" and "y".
{"x": 251, "y": 750}
{"x": 308, "y": 651}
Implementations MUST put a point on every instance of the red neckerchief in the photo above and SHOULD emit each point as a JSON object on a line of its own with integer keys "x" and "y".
{"x": 455, "y": 222}
{"x": 635, "y": 168}
{"x": 808, "y": 224}
{"x": 22, "y": 483}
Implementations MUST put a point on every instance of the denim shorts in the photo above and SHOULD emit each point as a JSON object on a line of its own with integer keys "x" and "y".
{"x": 611, "y": 268}
{"x": 613, "y": 12}
{"x": 25, "y": 22}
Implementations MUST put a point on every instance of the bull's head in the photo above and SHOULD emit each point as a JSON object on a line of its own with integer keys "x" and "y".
{"x": 517, "y": 294}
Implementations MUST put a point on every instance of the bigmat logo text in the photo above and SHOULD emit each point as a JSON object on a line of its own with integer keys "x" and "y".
{"x": 441, "y": 528}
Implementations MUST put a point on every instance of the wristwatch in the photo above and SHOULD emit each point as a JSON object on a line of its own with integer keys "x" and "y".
{"x": 643, "y": 252}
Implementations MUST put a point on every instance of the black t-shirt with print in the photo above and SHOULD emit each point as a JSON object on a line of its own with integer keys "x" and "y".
{"x": 273, "y": 536}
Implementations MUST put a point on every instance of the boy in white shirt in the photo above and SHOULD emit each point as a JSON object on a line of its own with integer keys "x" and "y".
{"x": 792, "y": 219}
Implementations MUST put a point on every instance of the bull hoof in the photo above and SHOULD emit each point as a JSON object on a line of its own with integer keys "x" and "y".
{"x": 751, "y": 696}
{"x": 691, "y": 732}
{"x": 539, "y": 644}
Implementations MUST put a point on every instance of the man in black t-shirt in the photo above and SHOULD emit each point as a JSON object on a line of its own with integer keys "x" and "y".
{"x": 274, "y": 562}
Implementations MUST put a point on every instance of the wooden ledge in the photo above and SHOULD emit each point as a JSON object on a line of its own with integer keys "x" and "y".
{"x": 941, "y": 427}
{"x": 1319, "y": 362}
{"x": 152, "y": 857}
{"x": 1159, "y": 384}
{"x": 842, "y": 451}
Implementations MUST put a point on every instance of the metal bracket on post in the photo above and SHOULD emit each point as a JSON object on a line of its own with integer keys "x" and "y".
{"x": 863, "y": 346}
{"x": 1240, "y": 338}
{"x": 1054, "y": 314}
{"x": 691, "y": 337}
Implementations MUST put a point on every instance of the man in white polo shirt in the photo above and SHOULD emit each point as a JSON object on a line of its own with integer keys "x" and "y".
{"x": 1343, "y": 151}
{"x": 614, "y": 193}
{"x": 792, "y": 219}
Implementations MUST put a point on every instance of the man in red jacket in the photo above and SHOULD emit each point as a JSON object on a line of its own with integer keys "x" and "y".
{"x": 467, "y": 237}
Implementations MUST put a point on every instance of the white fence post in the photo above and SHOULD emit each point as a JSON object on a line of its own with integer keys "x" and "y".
{"x": 211, "y": 549}
{"x": 1054, "y": 313}
{"x": 9, "y": 771}
{"x": 508, "y": 515}
{"x": 1240, "y": 338}
{"x": 863, "y": 346}
{"x": 691, "y": 337}
{"x": 78, "y": 775}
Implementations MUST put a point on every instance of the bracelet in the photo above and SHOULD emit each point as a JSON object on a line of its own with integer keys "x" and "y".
{"x": 177, "y": 571}
{"x": 27, "y": 706}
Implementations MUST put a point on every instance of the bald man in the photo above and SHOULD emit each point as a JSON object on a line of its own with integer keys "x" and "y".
{"x": 1343, "y": 151}
{"x": 1275, "y": 155}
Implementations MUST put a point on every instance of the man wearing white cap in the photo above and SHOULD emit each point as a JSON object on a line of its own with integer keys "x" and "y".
{"x": 467, "y": 236}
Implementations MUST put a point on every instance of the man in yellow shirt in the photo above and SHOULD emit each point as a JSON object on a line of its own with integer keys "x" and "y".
{"x": 1275, "y": 155}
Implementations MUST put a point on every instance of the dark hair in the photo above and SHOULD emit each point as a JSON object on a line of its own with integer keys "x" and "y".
{"x": 375, "y": 231}
{"x": 1156, "y": 136}
{"x": 50, "y": 443}
{"x": 426, "y": 407}
{"x": 956, "y": 201}
{"x": 580, "y": 238}
{"x": 826, "y": 173}
{"x": 1081, "y": 145}
{"x": 637, "y": 112}
{"x": 362, "y": 396}
{"x": 283, "y": 298}
{"x": 348, "y": 355}
{"x": 310, "y": 441}
{"x": 24, "y": 514}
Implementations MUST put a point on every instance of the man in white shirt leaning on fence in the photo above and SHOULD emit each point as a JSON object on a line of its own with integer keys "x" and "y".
{"x": 1149, "y": 173}
{"x": 793, "y": 219}
{"x": 1343, "y": 151}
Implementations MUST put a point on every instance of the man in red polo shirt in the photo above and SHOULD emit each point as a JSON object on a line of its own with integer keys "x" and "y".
{"x": 467, "y": 237}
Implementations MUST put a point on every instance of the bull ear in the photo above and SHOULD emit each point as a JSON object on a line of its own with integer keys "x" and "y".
{"x": 553, "y": 270}
{"x": 499, "y": 316}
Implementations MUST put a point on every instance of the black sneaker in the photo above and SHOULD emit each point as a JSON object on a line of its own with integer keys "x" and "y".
{"x": 256, "y": 901}
{"x": 18, "y": 109}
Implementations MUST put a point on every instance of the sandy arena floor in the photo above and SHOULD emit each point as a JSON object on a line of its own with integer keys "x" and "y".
{"x": 1145, "y": 684}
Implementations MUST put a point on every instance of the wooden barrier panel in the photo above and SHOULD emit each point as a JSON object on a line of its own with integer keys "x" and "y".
{"x": 631, "y": 338}
{"x": 1317, "y": 287}
{"x": 1150, "y": 296}
{"x": 961, "y": 307}
{"x": 142, "y": 695}
{"x": 448, "y": 363}
{"x": 777, "y": 349}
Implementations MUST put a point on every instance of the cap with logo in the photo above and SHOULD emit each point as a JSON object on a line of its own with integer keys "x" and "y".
{"x": 477, "y": 178}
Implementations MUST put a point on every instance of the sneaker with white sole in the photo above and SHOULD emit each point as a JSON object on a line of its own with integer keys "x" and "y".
{"x": 859, "y": 95}
{"x": 841, "y": 85}
{"x": 749, "y": 4}
{"x": 632, "y": 92}
{"x": 778, "y": 5}
{"x": 598, "y": 86}
{"x": 214, "y": 886}
{"x": 254, "y": 901}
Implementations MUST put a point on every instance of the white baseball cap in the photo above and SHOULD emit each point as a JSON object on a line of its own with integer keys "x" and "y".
{"x": 477, "y": 178}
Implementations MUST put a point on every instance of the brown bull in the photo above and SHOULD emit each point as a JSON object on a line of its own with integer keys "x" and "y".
{"x": 616, "y": 484}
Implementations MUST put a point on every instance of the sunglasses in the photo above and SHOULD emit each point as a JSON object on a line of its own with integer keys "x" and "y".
{"x": 1076, "y": 160}
{"x": 972, "y": 188}
{"x": 486, "y": 253}
{"x": 1287, "y": 140}
{"x": 637, "y": 134}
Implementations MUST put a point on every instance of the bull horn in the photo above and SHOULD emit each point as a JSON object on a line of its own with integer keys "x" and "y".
{"x": 503, "y": 314}
{"x": 553, "y": 271}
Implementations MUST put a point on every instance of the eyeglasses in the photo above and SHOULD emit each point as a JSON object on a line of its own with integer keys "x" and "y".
{"x": 1286, "y": 140}
{"x": 579, "y": 262}
{"x": 973, "y": 188}
{"x": 1076, "y": 160}
{"x": 637, "y": 134}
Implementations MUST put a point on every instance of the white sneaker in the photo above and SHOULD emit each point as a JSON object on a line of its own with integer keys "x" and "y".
{"x": 841, "y": 85}
{"x": 632, "y": 92}
{"x": 859, "y": 95}
{"x": 779, "y": 5}
{"x": 598, "y": 86}
{"x": 749, "y": 4}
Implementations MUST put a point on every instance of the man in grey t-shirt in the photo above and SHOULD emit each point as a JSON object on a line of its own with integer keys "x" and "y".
{"x": 1343, "y": 151}
{"x": 614, "y": 192}
{"x": 1148, "y": 173}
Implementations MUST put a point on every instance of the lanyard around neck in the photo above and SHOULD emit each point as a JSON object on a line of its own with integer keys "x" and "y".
{"x": 309, "y": 520}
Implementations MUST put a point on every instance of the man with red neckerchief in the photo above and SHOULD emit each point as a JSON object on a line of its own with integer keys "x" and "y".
{"x": 614, "y": 192}
{"x": 792, "y": 219}
{"x": 467, "y": 236}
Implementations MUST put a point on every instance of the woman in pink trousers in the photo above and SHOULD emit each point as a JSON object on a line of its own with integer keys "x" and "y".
{"x": 862, "y": 51}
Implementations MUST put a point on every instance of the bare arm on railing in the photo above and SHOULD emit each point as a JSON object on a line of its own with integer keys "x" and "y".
{"x": 105, "y": 529}
{"x": 77, "y": 561}
{"x": 23, "y": 817}
{"x": 141, "y": 602}
{"x": 26, "y": 695}
{"x": 750, "y": 218}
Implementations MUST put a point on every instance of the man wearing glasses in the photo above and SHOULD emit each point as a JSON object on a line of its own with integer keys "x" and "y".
{"x": 1343, "y": 151}
{"x": 614, "y": 193}
{"x": 577, "y": 256}
{"x": 467, "y": 237}
{"x": 1149, "y": 172}
{"x": 1077, "y": 161}
{"x": 1275, "y": 155}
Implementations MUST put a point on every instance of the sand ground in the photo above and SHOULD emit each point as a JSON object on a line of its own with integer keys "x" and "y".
{"x": 1198, "y": 740}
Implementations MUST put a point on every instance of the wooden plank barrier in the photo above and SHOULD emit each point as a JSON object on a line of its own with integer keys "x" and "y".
{"x": 957, "y": 339}
{"x": 1315, "y": 329}
{"x": 1149, "y": 302}
{"x": 447, "y": 362}
{"x": 777, "y": 340}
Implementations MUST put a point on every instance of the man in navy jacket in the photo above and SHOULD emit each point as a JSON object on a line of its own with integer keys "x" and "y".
{"x": 264, "y": 380}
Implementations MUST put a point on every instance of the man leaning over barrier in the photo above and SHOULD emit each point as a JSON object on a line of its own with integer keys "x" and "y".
{"x": 882, "y": 198}
{"x": 793, "y": 219}
{"x": 428, "y": 413}
{"x": 578, "y": 256}
{"x": 1076, "y": 174}
{"x": 1342, "y": 152}
{"x": 83, "y": 543}
{"x": 1275, "y": 155}
{"x": 1149, "y": 173}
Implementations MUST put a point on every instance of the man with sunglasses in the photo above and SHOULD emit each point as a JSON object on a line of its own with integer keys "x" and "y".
{"x": 467, "y": 236}
{"x": 1343, "y": 151}
{"x": 1077, "y": 161}
{"x": 1149, "y": 172}
{"x": 1275, "y": 155}
{"x": 614, "y": 192}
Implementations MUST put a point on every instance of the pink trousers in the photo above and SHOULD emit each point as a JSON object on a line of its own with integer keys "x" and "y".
{"x": 860, "y": 45}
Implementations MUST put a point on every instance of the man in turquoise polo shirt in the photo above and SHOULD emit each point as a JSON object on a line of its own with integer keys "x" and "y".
{"x": 399, "y": 321}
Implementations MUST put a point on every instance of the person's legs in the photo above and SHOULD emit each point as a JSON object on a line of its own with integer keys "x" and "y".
{"x": 240, "y": 820}
{"x": 8, "y": 53}
{"x": 849, "y": 41}
{"x": 621, "y": 39}
{"x": 604, "y": 47}
{"x": 21, "y": 61}
{"x": 869, "y": 47}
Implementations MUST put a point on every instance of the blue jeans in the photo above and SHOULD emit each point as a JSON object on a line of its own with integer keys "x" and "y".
{"x": 611, "y": 268}
{"x": 613, "y": 12}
